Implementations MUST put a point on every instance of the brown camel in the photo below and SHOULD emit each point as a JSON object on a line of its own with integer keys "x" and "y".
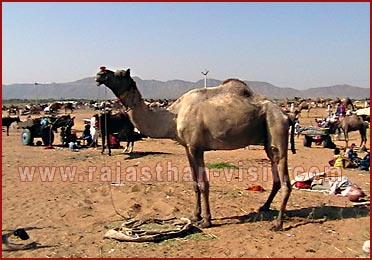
{"x": 304, "y": 105}
{"x": 226, "y": 117}
{"x": 347, "y": 102}
{"x": 349, "y": 124}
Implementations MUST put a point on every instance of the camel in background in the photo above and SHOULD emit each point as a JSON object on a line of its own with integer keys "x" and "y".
{"x": 226, "y": 117}
{"x": 117, "y": 123}
{"x": 349, "y": 124}
{"x": 7, "y": 121}
{"x": 347, "y": 102}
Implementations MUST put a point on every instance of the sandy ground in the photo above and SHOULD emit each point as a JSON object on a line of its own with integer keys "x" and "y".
{"x": 67, "y": 215}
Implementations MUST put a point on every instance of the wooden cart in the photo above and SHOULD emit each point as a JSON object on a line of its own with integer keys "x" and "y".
{"x": 44, "y": 128}
{"x": 317, "y": 135}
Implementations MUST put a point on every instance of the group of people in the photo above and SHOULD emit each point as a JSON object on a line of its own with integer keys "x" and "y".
{"x": 350, "y": 159}
{"x": 89, "y": 136}
{"x": 340, "y": 110}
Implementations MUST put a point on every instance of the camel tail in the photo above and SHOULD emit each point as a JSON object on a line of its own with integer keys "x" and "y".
{"x": 291, "y": 123}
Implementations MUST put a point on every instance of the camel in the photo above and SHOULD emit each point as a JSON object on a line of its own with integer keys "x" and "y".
{"x": 304, "y": 105}
{"x": 69, "y": 107}
{"x": 345, "y": 101}
{"x": 53, "y": 108}
{"x": 349, "y": 124}
{"x": 7, "y": 121}
{"x": 117, "y": 123}
{"x": 226, "y": 117}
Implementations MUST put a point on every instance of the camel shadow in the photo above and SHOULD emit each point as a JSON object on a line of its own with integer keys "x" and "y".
{"x": 136, "y": 155}
{"x": 301, "y": 216}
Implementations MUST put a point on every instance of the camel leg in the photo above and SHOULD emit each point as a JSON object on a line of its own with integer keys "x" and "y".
{"x": 131, "y": 147}
{"x": 201, "y": 186}
{"x": 286, "y": 191}
{"x": 126, "y": 148}
{"x": 192, "y": 162}
{"x": 109, "y": 144}
{"x": 7, "y": 130}
{"x": 346, "y": 137}
{"x": 103, "y": 142}
{"x": 363, "y": 135}
{"x": 280, "y": 180}
{"x": 275, "y": 188}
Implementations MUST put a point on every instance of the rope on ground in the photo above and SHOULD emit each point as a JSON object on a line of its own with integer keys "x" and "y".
{"x": 153, "y": 230}
{"x": 105, "y": 137}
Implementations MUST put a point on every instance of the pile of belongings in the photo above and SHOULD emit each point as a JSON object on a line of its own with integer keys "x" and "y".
{"x": 330, "y": 182}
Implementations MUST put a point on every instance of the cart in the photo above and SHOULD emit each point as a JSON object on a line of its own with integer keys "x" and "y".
{"x": 44, "y": 128}
{"x": 317, "y": 135}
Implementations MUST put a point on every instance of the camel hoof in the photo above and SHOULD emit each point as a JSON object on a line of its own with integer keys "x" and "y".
{"x": 277, "y": 227}
{"x": 205, "y": 223}
{"x": 195, "y": 218}
{"x": 264, "y": 208}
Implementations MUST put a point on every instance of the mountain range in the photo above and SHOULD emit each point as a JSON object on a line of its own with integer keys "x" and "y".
{"x": 87, "y": 89}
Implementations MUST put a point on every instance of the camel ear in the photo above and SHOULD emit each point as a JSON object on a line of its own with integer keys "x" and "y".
{"x": 127, "y": 73}
{"x": 120, "y": 73}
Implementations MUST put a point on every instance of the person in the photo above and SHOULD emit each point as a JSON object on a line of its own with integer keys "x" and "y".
{"x": 364, "y": 163}
{"x": 94, "y": 131}
{"x": 86, "y": 135}
{"x": 338, "y": 160}
{"x": 366, "y": 103}
{"x": 350, "y": 153}
{"x": 343, "y": 110}
{"x": 329, "y": 111}
{"x": 338, "y": 110}
{"x": 44, "y": 122}
{"x": 351, "y": 157}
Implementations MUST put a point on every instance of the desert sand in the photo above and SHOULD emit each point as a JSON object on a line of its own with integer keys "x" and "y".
{"x": 86, "y": 193}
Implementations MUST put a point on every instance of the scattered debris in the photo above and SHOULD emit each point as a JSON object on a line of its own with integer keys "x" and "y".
{"x": 255, "y": 188}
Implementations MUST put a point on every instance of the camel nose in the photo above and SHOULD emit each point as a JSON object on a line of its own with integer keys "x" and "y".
{"x": 98, "y": 81}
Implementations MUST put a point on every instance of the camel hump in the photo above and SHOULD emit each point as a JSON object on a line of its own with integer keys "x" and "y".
{"x": 239, "y": 87}
{"x": 236, "y": 81}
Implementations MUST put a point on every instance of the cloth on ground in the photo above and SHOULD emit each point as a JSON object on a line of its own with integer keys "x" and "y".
{"x": 326, "y": 182}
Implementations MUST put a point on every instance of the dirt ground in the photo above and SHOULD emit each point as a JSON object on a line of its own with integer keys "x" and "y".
{"x": 67, "y": 215}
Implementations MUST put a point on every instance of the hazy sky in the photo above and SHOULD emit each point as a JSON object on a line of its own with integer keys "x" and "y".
{"x": 299, "y": 45}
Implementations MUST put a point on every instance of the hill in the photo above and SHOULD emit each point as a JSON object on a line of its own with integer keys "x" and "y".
{"x": 87, "y": 89}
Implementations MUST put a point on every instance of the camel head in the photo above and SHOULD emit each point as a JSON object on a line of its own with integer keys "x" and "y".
{"x": 119, "y": 81}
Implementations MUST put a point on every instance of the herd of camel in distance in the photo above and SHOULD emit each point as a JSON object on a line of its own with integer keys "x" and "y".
{"x": 55, "y": 107}
{"x": 225, "y": 117}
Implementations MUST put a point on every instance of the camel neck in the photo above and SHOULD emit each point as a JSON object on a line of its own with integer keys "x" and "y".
{"x": 131, "y": 98}
{"x": 155, "y": 124}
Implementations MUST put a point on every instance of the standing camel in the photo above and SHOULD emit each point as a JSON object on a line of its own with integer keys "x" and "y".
{"x": 226, "y": 117}
{"x": 304, "y": 105}
{"x": 117, "y": 123}
{"x": 349, "y": 124}
{"x": 347, "y": 102}
{"x": 7, "y": 121}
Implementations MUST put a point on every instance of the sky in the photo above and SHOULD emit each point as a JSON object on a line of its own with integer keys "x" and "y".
{"x": 297, "y": 45}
